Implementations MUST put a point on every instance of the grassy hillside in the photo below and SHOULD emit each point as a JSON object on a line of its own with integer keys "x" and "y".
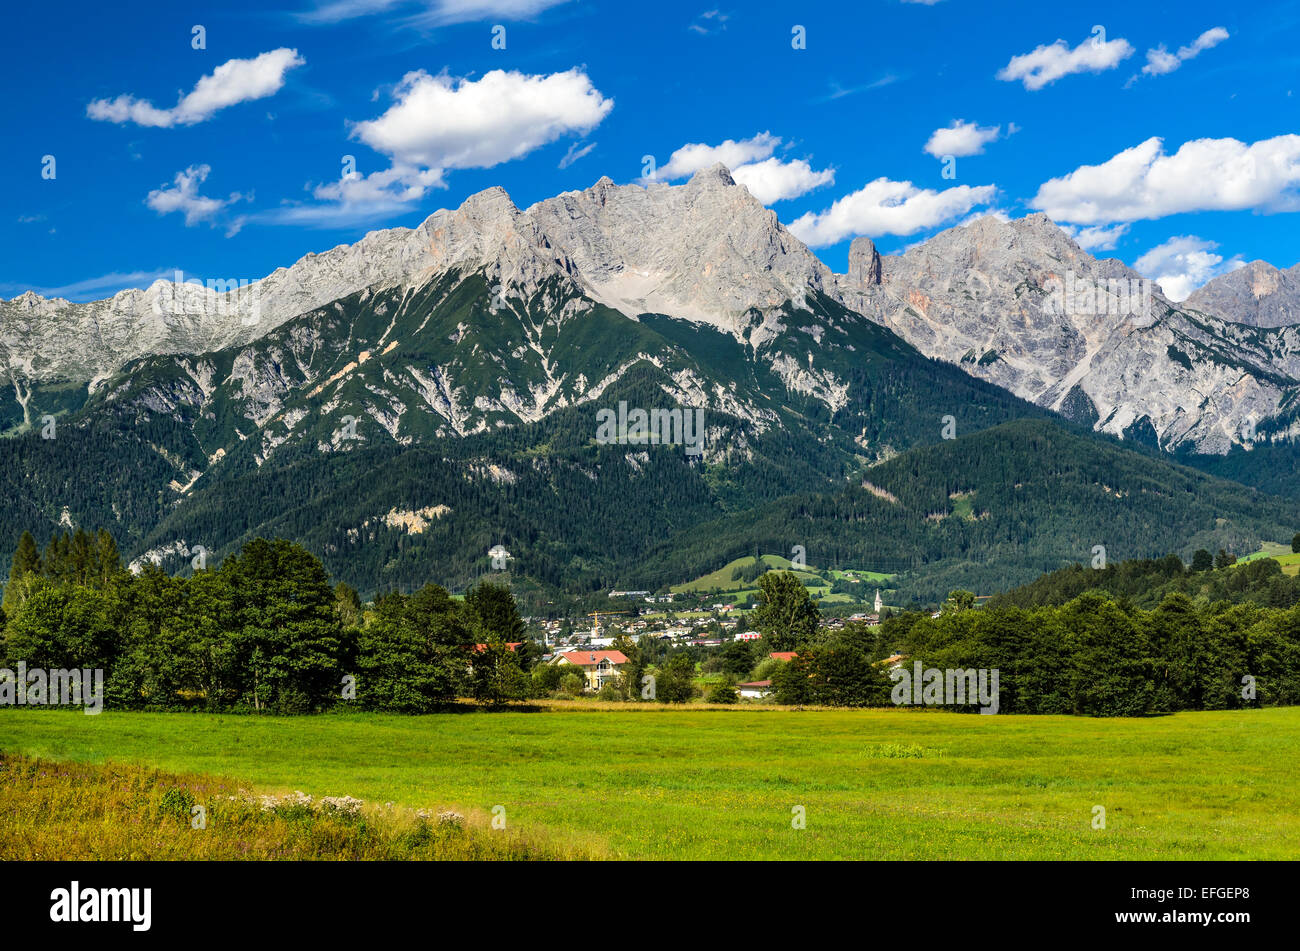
{"x": 1282, "y": 554}
{"x": 723, "y": 784}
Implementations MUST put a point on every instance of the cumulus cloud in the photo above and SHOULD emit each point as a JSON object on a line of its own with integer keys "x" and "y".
{"x": 1183, "y": 264}
{"x": 442, "y": 123}
{"x": 234, "y": 81}
{"x": 772, "y": 180}
{"x": 1047, "y": 64}
{"x": 437, "y": 124}
{"x": 888, "y": 207}
{"x": 1160, "y": 61}
{"x": 695, "y": 156}
{"x": 960, "y": 139}
{"x": 183, "y": 197}
{"x": 752, "y": 164}
{"x": 1203, "y": 175}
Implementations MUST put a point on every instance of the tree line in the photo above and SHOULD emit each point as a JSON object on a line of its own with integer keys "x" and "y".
{"x": 264, "y": 631}
{"x": 1097, "y": 653}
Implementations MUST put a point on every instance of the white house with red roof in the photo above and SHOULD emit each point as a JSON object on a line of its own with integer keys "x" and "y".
{"x": 599, "y": 667}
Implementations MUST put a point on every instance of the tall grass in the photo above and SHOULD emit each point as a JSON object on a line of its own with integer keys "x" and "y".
{"x": 61, "y": 810}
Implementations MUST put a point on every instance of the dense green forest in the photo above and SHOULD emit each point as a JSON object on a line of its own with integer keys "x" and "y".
{"x": 993, "y": 510}
{"x": 1146, "y": 582}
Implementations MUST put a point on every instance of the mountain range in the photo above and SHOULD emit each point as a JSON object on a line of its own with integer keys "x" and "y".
{"x": 406, "y": 402}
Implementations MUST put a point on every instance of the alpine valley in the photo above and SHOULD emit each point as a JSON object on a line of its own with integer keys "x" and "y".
{"x": 404, "y": 404}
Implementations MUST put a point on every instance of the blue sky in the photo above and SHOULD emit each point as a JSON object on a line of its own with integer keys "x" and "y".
{"x": 1165, "y": 135}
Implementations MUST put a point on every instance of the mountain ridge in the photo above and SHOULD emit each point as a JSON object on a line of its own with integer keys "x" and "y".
{"x": 977, "y": 295}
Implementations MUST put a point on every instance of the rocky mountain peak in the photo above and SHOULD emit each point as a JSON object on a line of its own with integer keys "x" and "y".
{"x": 864, "y": 263}
{"x": 716, "y": 175}
{"x": 1257, "y": 294}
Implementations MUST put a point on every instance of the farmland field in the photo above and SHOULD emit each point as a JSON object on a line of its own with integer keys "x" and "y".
{"x": 702, "y": 783}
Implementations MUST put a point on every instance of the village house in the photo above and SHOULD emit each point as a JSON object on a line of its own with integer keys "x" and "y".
{"x": 755, "y": 689}
{"x": 598, "y": 667}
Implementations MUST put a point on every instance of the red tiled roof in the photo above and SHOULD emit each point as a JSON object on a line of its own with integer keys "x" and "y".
{"x": 591, "y": 658}
{"x": 756, "y": 683}
{"x": 784, "y": 655}
{"x": 513, "y": 645}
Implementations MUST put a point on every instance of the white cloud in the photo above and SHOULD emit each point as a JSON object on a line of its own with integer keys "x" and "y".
{"x": 1183, "y": 264}
{"x": 184, "y": 197}
{"x": 696, "y": 156}
{"x": 1160, "y": 61}
{"x": 1047, "y": 64}
{"x": 431, "y": 12}
{"x": 888, "y": 207}
{"x": 1096, "y": 237}
{"x": 960, "y": 139}
{"x": 234, "y": 81}
{"x": 575, "y": 153}
{"x": 709, "y": 22}
{"x": 438, "y": 124}
{"x": 768, "y": 179}
{"x": 772, "y": 180}
{"x": 1203, "y": 175}
{"x": 444, "y": 123}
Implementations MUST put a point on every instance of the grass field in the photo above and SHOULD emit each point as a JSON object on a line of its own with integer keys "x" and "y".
{"x": 1282, "y": 554}
{"x": 654, "y": 782}
{"x": 721, "y": 581}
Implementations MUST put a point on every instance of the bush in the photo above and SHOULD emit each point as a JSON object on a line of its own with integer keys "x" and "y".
{"x": 571, "y": 684}
{"x": 723, "y": 693}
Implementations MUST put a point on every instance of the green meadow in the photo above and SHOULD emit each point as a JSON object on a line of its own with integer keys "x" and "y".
{"x": 706, "y": 783}
{"x": 1282, "y": 554}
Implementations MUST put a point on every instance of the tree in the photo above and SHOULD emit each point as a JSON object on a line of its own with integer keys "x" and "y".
{"x": 787, "y": 616}
{"x": 26, "y": 566}
{"x": 494, "y": 675}
{"x": 1223, "y": 559}
{"x": 958, "y": 601}
{"x": 737, "y": 658}
{"x": 493, "y": 613}
{"x": 348, "y": 604}
{"x": 1295, "y": 543}
{"x": 676, "y": 680}
{"x": 62, "y": 626}
{"x": 1202, "y": 560}
{"x": 287, "y": 631}
{"x": 632, "y": 672}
